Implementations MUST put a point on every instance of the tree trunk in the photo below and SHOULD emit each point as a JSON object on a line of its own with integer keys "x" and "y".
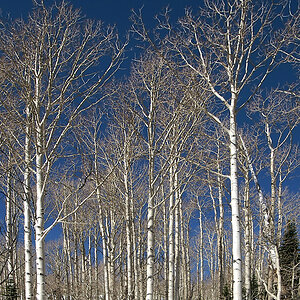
{"x": 201, "y": 268}
{"x": 39, "y": 222}
{"x": 27, "y": 213}
{"x": 220, "y": 239}
{"x": 104, "y": 250}
{"x": 128, "y": 223}
{"x": 166, "y": 268}
{"x": 171, "y": 237}
{"x": 150, "y": 210}
{"x": 39, "y": 229}
{"x": 135, "y": 252}
{"x": 177, "y": 239}
{"x": 9, "y": 226}
{"x": 67, "y": 261}
{"x": 235, "y": 209}
{"x": 248, "y": 249}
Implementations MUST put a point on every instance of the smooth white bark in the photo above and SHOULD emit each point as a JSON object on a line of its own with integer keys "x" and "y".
{"x": 27, "y": 213}
{"x": 40, "y": 190}
{"x": 177, "y": 256}
{"x": 128, "y": 220}
{"x": 150, "y": 209}
{"x": 235, "y": 209}
{"x": 171, "y": 237}
{"x": 248, "y": 249}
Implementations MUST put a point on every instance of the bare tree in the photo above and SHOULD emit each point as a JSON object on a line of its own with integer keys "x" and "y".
{"x": 232, "y": 46}
{"x": 278, "y": 116}
{"x": 61, "y": 58}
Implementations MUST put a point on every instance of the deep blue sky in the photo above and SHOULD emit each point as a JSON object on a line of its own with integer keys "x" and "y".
{"x": 109, "y": 11}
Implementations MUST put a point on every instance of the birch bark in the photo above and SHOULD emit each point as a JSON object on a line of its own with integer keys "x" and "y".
{"x": 171, "y": 237}
{"x": 27, "y": 212}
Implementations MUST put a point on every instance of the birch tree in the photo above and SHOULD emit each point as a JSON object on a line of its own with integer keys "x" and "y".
{"x": 60, "y": 54}
{"x": 231, "y": 46}
{"x": 279, "y": 116}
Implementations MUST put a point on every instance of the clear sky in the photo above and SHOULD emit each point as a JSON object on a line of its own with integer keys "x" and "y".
{"x": 110, "y": 11}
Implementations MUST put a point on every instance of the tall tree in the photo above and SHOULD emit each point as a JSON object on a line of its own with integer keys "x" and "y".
{"x": 231, "y": 47}
{"x": 56, "y": 54}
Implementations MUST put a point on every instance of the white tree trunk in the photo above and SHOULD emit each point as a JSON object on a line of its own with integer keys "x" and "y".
{"x": 220, "y": 239}
{"x": 96, "y": 276}
{"x": 39, "y": 230}
{"x": 150, "y": 246}
{"x": 83, "y": 265}
{"x": 139, "y": 258}
{"x": 268, "y": 229}
{"x": 104, "y": 250}
{"x": 235, "y": 209}
{"x": 248, "y": 249}
{"x": 201, "y": 260}
{"x": 166, "y": 268}
{"x": 184, "y": 252}
{"x": 67, "y": 260}
{"x": 89, "y": 265}
{"x": 128, "y": 223}
{"x": 177, "y": 239}
{"x": 150, "y": 209}
{"x": 27, "y": 213}
{"x": 171, "y": 237}
{"x": 40, "y": 188}
{"x": 135, "y": 253}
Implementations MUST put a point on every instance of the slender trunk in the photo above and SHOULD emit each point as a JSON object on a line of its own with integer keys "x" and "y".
{"x": 67, "y": 262}
{"x": 150, "y": 247}
{"x": 217, "y": 231}
{"x": 271, "y": 235}
{"x": 177, "y": 241}
{"x": 96, "y": 276}
{"x": 188, "y": 263}
{"x": 104, "y": 250}
{"x": 101, "y": 224}
{"x": 166, "y": 268}
{"x": 235, "y": 208}
{"x": 39, "y": 222}
{"x": 83, "y": 265}
{"x": 184, "y": 250}
{"x": 71, "y": 265}
{"x": 267, "y": 226}
{"x": 150, "y": 211}
{"x": 89, "y": 265}
{"x": 9, "y": 228}
{"x": 279, "y": 206}
{"x": 279, "y": 281}
{"x": 201, "y": 251}
{"x": 39, "y": 230}
{"x": 220, "y": 240}
{"x": 171, "y": 237}
{"x": 27, "y": 213}
{"x": 139, "y": 258}
{"x": 135, "y": 252}
{"x": 76, "y": 282}
{"x": 111, "y": 252}
{"x": 128, "y": 224}
{"x": 248, "y": 249}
